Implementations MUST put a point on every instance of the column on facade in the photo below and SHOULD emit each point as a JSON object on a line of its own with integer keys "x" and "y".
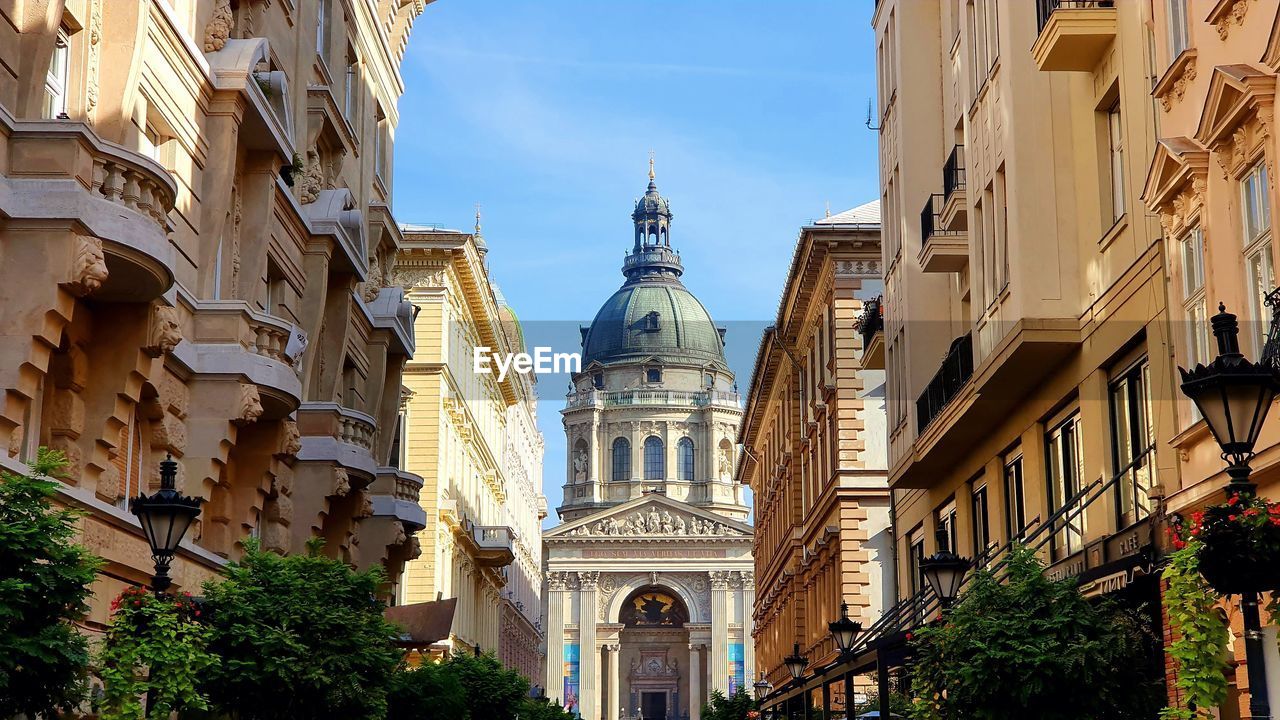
{"x": 555, "y": 636}
{"x": 695, "y": 681}
{"x": 589, "y": 654}
{"x": 748, "y": 625}
{"x": 598, "y": 455}
{"x": 637, "y": 452}
{"x": 670, "y": 436}
{"x": 720, "y": 630}
{"x": 615, "y": 686}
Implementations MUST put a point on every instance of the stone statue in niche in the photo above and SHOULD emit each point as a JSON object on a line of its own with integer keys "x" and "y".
{"x": 580, "y": 465}
{"x": 726, "y": 463}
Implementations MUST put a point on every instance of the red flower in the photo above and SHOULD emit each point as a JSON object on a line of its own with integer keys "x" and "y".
{"x": 1232, "y": 518}
{"x": 909, "y": 636}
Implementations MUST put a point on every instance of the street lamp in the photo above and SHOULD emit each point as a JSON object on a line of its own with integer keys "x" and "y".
{"x": 796, "y": 663}
{"x": 845, "y": 631}
{"x": 762, "y": 687}
{"x": 165, "y": 517}
{"x": 1234, "y": 395}
{"x": 944, "y": 570}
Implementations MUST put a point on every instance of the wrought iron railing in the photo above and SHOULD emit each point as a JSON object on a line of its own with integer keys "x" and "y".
{"x": 1045, "y": 8}
{"x": 953, "y": 172}
{"x": 956, "y": 369}
{"x": 871, "y": 321}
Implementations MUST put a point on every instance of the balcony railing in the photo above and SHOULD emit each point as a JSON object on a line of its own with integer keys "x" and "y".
{"x": 495, "y": 544}
{"x": 679, "y": 398}
{"x": 871, "y": 321}
{"x": 1046, "y": 8}
{"x": 953, "y": 174}
{"x": 957, "y": 368}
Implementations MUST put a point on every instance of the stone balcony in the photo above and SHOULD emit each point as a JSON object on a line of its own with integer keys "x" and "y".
{"x": 495, "y": 545}
{"x": 871, "y": 329}
{"x": 395, "y": 495}
{"x": 231, "y": 339}
{"x": 60, "y": 171}
{"x": 340, "y": 436}
{"x": 1074, "y": 34}
{"x": 661, "y": 398}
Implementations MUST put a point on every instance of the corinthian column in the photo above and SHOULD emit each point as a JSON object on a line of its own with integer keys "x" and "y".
{"x": 748, "y": 625}
{"x": 615, "y": 688}
{"x": 555, "y": 636}
{"x": 589, "y": 682}
{"x": 720, "y": 630}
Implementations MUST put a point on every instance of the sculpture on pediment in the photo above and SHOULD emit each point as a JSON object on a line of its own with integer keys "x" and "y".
{"x": 651, "y": 522}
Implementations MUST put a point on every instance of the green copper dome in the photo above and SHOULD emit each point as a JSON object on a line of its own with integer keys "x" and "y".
{"x": 653, "y": 319}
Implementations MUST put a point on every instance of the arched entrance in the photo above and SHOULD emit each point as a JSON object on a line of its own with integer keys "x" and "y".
{"x": 653, "y": 655}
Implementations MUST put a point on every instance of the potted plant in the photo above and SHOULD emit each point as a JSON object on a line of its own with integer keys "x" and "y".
{"x": 1238, "y": 543}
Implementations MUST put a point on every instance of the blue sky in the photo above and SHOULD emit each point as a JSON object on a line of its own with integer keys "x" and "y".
{"x": 545, "y": 114}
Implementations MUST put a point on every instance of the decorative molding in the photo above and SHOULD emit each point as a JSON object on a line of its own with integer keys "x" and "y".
{"x": 219, "y": 27}
{"x": 164, "y": 333}
{"x": 1173, "y": 85}
{"x": 655, "y": 523}
{"x": 1227, "y": 13}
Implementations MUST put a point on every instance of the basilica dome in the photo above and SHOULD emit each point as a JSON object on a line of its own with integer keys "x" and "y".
{"x": 653, "y": 318}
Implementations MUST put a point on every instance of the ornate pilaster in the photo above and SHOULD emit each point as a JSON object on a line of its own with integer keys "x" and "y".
{"x": 589, "y": 680}
{"x": 720, "y": 630}
{"x": 557, "y": 586}
{"x": 748, "y": 579}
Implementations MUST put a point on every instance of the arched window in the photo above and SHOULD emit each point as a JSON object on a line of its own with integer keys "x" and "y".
{"x": 684, "y": 453}
{"x": 654, "y": 464}
{"x": 621, "y": 459}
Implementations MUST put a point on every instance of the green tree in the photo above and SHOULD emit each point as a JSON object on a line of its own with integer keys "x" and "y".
{"x": 45, "y": 583}
{"x": 466, "y": 687}
{"x": 733, "y": 707}
{"x": 300, "y": 637}
{"x": 427, "y": 692}
{"x": 492, "y": 691}
{"x": 1035, "y": 648}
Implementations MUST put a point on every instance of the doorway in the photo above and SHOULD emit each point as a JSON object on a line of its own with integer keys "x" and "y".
{"x": 653, "y": 705}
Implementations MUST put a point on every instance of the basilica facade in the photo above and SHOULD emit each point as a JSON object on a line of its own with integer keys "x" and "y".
{"x": 650, "y": 578}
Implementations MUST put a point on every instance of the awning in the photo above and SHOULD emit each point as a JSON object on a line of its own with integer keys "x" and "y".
{"x": 423, "y": 624}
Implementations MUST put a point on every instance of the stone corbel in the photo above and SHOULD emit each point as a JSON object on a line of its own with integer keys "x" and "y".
{"x": 164, "y": 333}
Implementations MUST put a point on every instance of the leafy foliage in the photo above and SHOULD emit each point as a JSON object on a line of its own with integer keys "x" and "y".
{"x": 45, "y": 582}
{"x": 1032, "y": 647}
{"x": 155, "y": 646}
{"x": 733, "y": 707}
{"x": 466, "y": 687}
{"x": 1200, "y": 636}
{"x": 300, "y": 637}
{"x": 899, "y": 705}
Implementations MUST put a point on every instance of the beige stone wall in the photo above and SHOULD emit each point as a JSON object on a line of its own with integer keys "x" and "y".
{"x": 164, "y": 275}
{"x": 1059, "y": 286}
{"x": 474, "y": 440}
{"x": 812, "y": 460}
{"x": 1216, "y": 94}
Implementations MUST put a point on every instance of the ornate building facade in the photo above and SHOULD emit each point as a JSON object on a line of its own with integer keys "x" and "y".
{"x": 195, "y": 229}
{"x": 650, "y": 580}
{"x": 814, "y": 451}
{"x": 474, "y": 440}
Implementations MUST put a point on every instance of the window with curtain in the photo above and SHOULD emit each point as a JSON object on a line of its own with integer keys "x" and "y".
{"x": 1133, "y": 441}
{"x": 621, "y": 459}
{"x": 654, "y": 465}
{"x": 1066, "y": 468}
{"x": 1257, "y": 248}
{"x": 685, "y": 452}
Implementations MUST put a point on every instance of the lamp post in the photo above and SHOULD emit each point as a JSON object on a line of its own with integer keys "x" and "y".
{"x": 762, "y": 688}
{"x": 944, "y": 571}
{"x": 845, "y": 631}
{"x": 165, "y": 517}
{"x": 796, "y": 663}
{"x": 1234, "y": 395}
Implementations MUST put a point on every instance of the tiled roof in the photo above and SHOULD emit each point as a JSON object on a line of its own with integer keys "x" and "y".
{"x": 866, "y": 214}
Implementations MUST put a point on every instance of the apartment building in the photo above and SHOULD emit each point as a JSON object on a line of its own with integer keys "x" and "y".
{"x": 813, "y": 437}
{"x": 474, "y": 440}
{"x": 196, "y": 229}
{"x": 1031, "y": 387}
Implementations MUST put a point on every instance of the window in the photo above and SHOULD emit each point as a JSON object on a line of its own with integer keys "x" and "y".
{"x": 651, "y": 322}
{"x": 322, "y": 27}
{"x": 129, "y": 462}
{"x": 1257, "y": 247}
{"x": 1193, "y": 297}
{"x": 380, "y": 144}
{"x": 621, "y": 459}
{"x": 945, "y": 517}
{"x": 1065, "y": 468}
{"x": 1115, "y": 146}
{"x": 1002, "y": 230}
{"x": 684, "y": 450}
{"x": 1015, "y": 498}
{"x": 277, "y": 287}
{"x": 1178, "y": 34}
{"x": 1133, "y": 440}
{"x": 351, "y": 100}
{"x": 55, "y": 82}
{"x": 597, "y": 381}
{"x": 654, "y": 462}
{"x": 653, "y": 375}
{"x": 915, "y": 556}
{"x": 982, "y": 541}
